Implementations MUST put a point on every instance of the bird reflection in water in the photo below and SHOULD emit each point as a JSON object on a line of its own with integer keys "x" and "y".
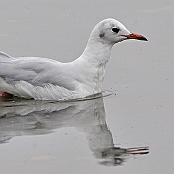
{"x": 30, "y": 117}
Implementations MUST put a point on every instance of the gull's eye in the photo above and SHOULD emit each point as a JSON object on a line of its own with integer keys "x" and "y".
{"x": 115, "y": 30}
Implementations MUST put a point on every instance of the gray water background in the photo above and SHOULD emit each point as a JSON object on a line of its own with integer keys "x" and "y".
{"x": 138, "y": 114}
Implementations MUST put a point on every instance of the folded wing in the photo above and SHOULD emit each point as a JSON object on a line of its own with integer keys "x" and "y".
{"x": 35, "y": 71}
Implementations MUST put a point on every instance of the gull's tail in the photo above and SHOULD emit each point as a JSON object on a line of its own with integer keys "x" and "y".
{"x": 5, "y": 57}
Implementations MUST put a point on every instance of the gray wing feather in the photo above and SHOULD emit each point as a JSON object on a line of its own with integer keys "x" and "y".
{"x": 36, "y": 71}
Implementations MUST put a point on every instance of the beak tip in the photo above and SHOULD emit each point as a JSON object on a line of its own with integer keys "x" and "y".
{"x": 137, "y": 37}
{"x": 143, "y": 38}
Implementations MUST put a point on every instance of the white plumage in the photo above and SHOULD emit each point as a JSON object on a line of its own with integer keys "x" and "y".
{"x": 47, "y": 79}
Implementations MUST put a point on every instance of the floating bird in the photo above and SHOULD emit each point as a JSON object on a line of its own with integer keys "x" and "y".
{"x": 47, "y": 79}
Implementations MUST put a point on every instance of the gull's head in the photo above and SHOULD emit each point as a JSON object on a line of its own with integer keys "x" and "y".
{"x": 111, "y": 31}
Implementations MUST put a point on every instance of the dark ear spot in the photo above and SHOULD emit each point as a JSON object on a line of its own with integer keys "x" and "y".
{"x": 102, "y": 35}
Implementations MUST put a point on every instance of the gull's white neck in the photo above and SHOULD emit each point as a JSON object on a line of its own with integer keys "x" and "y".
{"x": 92, "y": 64}
{"x": 97, "y": 53}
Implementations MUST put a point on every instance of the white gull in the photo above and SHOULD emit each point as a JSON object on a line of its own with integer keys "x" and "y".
{"x": 47, "y": 79}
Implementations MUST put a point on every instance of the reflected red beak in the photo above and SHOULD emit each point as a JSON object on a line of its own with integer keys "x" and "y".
{"x": 136, "y": 36}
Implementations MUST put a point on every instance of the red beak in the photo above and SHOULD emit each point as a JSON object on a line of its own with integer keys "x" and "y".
{"x": 136, "y": 36}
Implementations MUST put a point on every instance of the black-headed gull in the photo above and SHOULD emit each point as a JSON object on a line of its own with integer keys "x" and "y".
{"x": 47, "y": 79}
